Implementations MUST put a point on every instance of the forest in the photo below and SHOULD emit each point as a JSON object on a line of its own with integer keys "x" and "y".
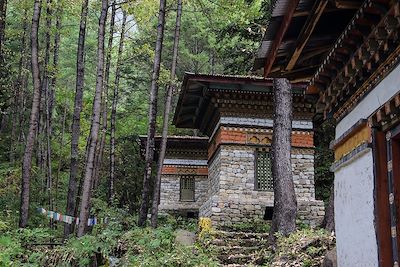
{"x": 80, "y": 81}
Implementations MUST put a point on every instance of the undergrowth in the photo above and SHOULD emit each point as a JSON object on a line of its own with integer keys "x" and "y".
{"x": 305, "y": 247}
{"x": 119, "y": 243}
{"x": 122, "y": 243}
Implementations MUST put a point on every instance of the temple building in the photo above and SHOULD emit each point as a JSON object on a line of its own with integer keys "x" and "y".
{"x": 354, "y": 75}
{"x": 226, "y": 176}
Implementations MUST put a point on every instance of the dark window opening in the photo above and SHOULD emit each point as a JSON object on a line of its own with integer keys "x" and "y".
{"x": 192, "y": 215}
{"x": 264, "y": 180}
{"x": 269, "y": 211}
{"x": 187, "y": 186}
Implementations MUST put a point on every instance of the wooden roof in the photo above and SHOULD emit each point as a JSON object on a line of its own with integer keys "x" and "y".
{"x": 300, "y": 34}
{"x": 362, "y": 56}
{"x": 201, "y": 96}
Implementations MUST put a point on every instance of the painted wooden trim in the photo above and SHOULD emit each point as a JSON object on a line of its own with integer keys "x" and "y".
{"x": 358, "y": 134}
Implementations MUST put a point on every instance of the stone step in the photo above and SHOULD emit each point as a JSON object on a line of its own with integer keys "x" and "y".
{"x": 237, "y": 249}
{"x": 248, "y": 242}
{"x": 236, "y": 259}
{"x": 243, "y": 235}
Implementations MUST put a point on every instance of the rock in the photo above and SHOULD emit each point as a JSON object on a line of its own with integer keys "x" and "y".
{"x": 330, "y": 259}
{"x": 185, "y": 238}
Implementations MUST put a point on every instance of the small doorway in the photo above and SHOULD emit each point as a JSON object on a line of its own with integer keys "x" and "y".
{"x": 269, "y": 211}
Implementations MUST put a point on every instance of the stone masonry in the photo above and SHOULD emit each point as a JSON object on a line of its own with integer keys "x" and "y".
{"x": 233, "y": 198}
{"x": 170, "y": 200}
{"x": 236, "y": 113}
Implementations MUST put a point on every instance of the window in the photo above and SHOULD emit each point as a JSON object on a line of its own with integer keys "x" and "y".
{"x": 187, "y": 188}
{"x": 264, "y": 180}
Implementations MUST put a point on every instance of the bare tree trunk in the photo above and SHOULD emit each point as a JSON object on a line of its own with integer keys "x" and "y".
{"x": 17, "y": 111}
{"x": 76, "y": 125}
{"x": 3, "y": 11}
{"x": 329, "y": 219}
{"x": 100, "y": 153}
{"x": 144, "y": 205}
{"x": 23, "y": 77}
{"x": 56, "y": 49}
{"x": 46, "y": 91}
{"x": 94, "y": 131}
{"x": 114, "y": 111}
{"x": 4, "y": 72}
{"x": 285, "y": 203}
{"x": 30, "y": 140}
{"x": 164, "y": 136}
{"x": 60, "y": 156}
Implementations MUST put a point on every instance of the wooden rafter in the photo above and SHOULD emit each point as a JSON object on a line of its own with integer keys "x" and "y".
{"x": 279, "y": 36}
{"x": 346, "y": 4}
{"x": 306, "y": 32}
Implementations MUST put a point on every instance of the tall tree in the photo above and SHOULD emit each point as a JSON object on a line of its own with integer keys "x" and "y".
{"x": 114, "y": 109}
{"x": 285, "y": 203}
{"x": 167, "y": 109}
{"x": 60, "y": 157}
{"x": 76, "y": 124}
{"x": 144, "y": 205}
{"x": 3, "y": 12}
{"x": 94, "y": 129}
{"x": 104, "y": 100}
{"x": 19, "y": 88}
{"x": 46, "y": 92}
{"x": 23, "y": 77}
{"x": 56, "y": 50}
{"x": 4, "y": 73}
{"x": 30, "y": 140}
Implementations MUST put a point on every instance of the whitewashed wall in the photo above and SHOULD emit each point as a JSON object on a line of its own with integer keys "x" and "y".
{"x": 354, "y": 212}
{"x": 354, "y": 186}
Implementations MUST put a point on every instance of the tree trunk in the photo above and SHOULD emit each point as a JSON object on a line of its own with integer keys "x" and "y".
{"x": 4, "y": 71}
{"x": 17, "y": 110}
{"x": 60, "y": 156}
{"x": 76, "y": 125}
{"x": 144, "y": 205}
{"x": 46, "y": 91}
{"x": 94, "y": 131}
{"x": 329, "y": 219}
{"x": 30, "y": 140}
{"x": 100, "y": 153}
{"x": 285, "y": 203}
{"x": 23, "y": 77}
{"x": 114, "y": 111}
{"x": 3, "y": 12}
{"x": 56, "y": 49}
{"x": 164, "y": 136}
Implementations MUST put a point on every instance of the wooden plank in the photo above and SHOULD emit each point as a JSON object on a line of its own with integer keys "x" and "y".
{"x": 270, "y": 58}
{"x": 382, "y": 216}
{"x": 345, "y": 4}
{"x": 306, "y": 31}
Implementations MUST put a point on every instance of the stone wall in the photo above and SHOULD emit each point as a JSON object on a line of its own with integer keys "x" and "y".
{"x": 233, "y": 169}
{"x": 170, "y": 194}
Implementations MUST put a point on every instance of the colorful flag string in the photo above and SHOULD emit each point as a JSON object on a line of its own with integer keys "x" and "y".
{"x": 70, "y": 219}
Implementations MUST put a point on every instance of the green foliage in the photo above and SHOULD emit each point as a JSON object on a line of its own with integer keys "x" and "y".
{"x": 119, "y": 240}
{"x": 305, "y": 247}
{"x": 324, "y": 134}
{"x": 148, "y": 247}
